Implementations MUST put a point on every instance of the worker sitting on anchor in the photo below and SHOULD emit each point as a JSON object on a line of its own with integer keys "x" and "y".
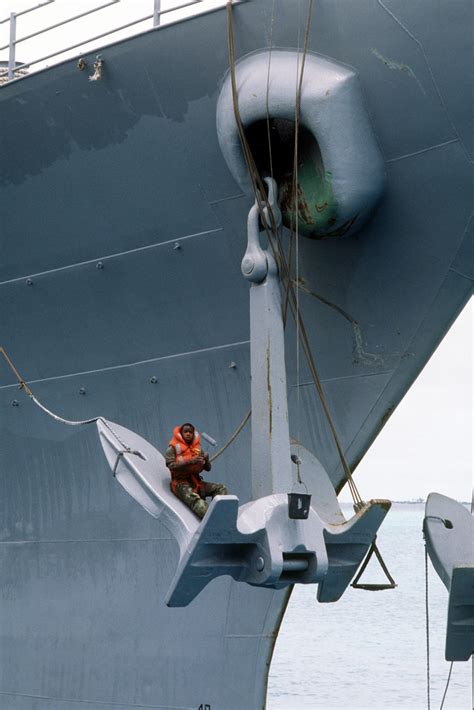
{"x": 186, "y": 460}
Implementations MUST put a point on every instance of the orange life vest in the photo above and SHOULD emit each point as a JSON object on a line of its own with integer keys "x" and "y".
{"x": 185, "y": 452}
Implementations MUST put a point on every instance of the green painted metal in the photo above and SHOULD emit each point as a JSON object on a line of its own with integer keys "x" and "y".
{"x": 315, "y": 207}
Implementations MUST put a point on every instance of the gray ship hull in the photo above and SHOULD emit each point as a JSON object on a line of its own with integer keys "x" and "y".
{"x": 126, "y": 172}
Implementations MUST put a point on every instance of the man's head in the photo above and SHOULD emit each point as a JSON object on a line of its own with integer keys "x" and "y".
{"x": 187, "y": 432}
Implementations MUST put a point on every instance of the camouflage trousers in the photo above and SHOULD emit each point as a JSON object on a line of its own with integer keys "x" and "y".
{"x": 194, "y": 501}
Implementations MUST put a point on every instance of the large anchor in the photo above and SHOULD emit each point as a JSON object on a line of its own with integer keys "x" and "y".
{"x": 448, "y": 529}
{"x": 258, "y": 542}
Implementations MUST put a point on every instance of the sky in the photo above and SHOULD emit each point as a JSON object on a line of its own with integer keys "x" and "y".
{"x": 427, "y": 444}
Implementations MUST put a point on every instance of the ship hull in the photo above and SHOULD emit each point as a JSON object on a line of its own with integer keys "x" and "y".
{"x": 122, "y": 232}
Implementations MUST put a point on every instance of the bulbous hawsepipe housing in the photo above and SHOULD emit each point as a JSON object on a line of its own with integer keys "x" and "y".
{"x": 340, "y": 167}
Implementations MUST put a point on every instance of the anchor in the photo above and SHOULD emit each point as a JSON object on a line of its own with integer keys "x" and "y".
{"x": 259, "y": 543}
{"x": 448, "y": 529}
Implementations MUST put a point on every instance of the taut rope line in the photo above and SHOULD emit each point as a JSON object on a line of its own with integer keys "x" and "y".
{"x": 233, "y": 436}
{"x": 268, "y": 90}
{"x": 62, "y": 420}
{"x": 427, "y": 623}
{"x": 22, "y": 382}
{"x": 447, "y": 686}
{"x": 295, "y": 202}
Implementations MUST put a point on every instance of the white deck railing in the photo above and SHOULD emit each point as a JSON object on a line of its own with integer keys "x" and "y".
{"x": 12, "y": 69}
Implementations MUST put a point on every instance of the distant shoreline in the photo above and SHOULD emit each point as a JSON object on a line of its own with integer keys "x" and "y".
{"x": 415, "y": 502}
{"x": 418, "y": 501}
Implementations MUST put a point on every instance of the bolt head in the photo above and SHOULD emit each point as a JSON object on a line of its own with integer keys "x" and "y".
{"x": 29, "y": 282}
{"x": 99, "y": 265}
{"x": 260, "y": 564}
{"x": 15, "y": 403}
{"x": 153, "y": 380}
{"x": 82, "y": 390}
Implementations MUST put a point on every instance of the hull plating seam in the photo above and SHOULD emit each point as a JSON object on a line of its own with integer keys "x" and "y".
{"x": 423, "y": 150}
{"x": 105, "y": 703}
{"x": 111, "y": 256}
{"x": 98, "y": 539}
{"x": 132, "y": 364}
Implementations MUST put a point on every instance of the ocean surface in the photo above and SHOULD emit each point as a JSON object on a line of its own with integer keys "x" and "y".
{"x": 369, "y": 649}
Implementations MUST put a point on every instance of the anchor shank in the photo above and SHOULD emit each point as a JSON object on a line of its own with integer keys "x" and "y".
{"x": 271, "y": 464}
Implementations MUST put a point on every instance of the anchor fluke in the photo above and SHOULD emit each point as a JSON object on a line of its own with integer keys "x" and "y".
{"x": 448, "y": 528}
{"x": 256, "y": 544}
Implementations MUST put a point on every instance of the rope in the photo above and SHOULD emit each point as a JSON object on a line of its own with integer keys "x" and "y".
{"x": 447, "y": 685}
{"x": 447, "y": 523}
{"x": 257, "y": 183}
{"x": 81, "y": 422}
{"x": 275, "y": 243}
{"x": 299, "y": 83}
{"x": 268, "y": 90}
{"x": 299, "y": 80}
{"x": 427, "y": 619}
{"x": 22, "y": 382}
{"x": 69, "y": 422}
{"x": 62, "y": 420}
{"x": 315, "y": 376}
{"x": 93, "y": 420}
{"x": 298, "y": 473}
{"x": 233, "y": 437}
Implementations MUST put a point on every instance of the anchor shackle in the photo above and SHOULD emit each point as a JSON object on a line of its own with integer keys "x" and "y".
{"x": 257, "y": 261}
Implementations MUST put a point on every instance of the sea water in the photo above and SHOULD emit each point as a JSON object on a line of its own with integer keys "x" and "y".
{"x": 368, "y": 650}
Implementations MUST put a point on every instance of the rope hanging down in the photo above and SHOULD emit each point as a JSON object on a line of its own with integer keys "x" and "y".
{"x": 62, "y": 420}
{"x": 275, "y": 242}
{"x": 427, "y": 622}
{"x": 94, "y": 420}
{"x": 427, "y": 627}
{"x": 233, "y": 437}
{"x": 447, "y": 686}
